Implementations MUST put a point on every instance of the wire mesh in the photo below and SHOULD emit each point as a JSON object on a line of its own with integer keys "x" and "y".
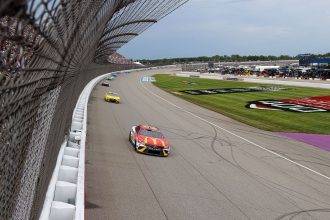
{"x": 49, "y": 50}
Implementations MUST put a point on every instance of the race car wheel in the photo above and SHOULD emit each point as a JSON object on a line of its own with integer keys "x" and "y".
{"x": 129, "y": 137}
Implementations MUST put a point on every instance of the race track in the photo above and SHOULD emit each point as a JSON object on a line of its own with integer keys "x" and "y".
{"x": 218, "y": 168}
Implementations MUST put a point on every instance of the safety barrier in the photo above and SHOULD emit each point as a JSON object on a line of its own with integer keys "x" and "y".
{"x": 65, "y": 195}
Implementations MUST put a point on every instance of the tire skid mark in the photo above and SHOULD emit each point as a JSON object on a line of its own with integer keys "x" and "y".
{"x": 258, "y": 176}
{"x": 270, "y": 187}
{"x": 254, "y": 177}
{"x": 220, "y": 141}
{"x": 292, "y": 215}
{"x": 214, "y": 186}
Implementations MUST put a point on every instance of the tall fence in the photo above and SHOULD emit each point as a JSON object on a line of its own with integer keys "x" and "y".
{"x": 49, "y": 50}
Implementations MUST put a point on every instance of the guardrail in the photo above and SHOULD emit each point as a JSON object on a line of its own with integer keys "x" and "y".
{"x": 65, "y": 198}
{"x": 65, "y": 194}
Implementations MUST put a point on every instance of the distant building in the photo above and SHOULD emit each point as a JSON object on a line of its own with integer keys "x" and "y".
{"x": 310, "y": 60}
{"x": 195, "y": 67}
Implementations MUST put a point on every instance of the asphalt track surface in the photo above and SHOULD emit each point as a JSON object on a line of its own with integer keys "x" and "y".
{"x": 218, "y": 168}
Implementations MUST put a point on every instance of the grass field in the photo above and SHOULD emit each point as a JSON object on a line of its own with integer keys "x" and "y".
{"x": 234, "y": 105}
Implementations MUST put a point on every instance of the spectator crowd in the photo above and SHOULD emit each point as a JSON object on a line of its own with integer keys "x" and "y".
{"x": 117, "y": 58}
{"x": 18, "y": 41}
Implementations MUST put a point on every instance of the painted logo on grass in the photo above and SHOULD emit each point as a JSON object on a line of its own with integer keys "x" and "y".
{"x": 304, "y": 105}
{"x": 233, "y": 90}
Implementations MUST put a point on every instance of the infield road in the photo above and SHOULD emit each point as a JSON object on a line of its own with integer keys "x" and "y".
{"x": 218, "y": 168}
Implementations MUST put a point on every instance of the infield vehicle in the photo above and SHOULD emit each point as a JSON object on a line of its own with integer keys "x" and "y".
{"x": 149, "y": 140}
{"x": 111, "y": 97}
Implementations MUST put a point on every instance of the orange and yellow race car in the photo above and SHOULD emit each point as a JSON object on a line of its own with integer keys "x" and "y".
{"x": 149, "y": 140}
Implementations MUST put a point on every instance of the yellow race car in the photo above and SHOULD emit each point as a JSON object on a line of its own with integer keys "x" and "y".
{"x": 111, "y": 97}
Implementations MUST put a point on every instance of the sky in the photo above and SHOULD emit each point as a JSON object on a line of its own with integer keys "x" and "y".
{"x": 244, "y": 27}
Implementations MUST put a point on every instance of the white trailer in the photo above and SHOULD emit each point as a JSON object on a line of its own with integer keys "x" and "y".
{"x": 262, "y": 68}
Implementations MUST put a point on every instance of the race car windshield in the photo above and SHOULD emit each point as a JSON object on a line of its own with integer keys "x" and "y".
{"x": 149, "y": 133}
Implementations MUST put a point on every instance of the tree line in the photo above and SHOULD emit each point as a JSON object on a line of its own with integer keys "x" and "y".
{"x": 218, "y": 58}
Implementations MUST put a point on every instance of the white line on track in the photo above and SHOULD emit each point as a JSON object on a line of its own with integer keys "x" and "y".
{"x": 236, "y": 135}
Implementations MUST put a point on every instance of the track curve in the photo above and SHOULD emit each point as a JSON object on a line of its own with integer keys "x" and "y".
{"x": 210, "y": 174}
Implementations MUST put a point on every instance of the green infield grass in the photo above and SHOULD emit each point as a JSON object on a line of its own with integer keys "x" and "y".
{"x": 234, "y": 105}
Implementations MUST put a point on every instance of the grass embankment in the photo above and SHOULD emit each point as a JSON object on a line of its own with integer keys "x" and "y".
{"x": 234, "y": 105}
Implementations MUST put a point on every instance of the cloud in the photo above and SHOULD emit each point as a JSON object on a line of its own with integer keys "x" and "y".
{"x": 204, "y": 27}
{"x": 274, "y": 30}
{"x": 235, "y": 1}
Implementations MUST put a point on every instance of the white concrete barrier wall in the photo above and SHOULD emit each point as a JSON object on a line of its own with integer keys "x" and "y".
{"x": 65, "y": 198}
